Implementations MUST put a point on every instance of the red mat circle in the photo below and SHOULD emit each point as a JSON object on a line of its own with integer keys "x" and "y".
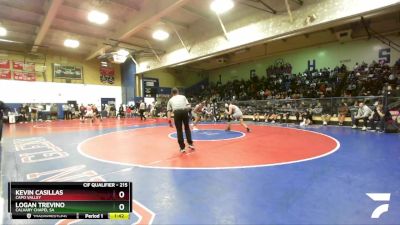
{"x": 265, "y": 146}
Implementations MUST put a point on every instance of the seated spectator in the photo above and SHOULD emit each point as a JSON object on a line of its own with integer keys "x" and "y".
{"x": 284, "y": 113}
{"x": 272, "y": 116}
{"x": 128, "y": 111}
{"x": 266, "y": 115}
{"x": 256, "y": 117}
{"x": 317, "y": 110}
{"x": 377, "y": 118}
{"x": 325, "y": 115}
{"x": 363, "y": 113}
{"x": 53, "y": 112}
{"x": 121, "y": 111}
{"x": 342, "y": 112}
{"x": 307, "y": 117}
{"x": 325, "y": 118}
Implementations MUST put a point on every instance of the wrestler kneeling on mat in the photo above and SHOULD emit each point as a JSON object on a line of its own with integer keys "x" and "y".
{"x": 234, "y": 113}
{"x": 196, "y": 113}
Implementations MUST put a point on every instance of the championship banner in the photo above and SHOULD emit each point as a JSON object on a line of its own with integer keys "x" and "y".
{"x": 29, "y": 67}
{"x": 25, "y": 76}
{"x": 107, "y": 75}
{"x": 67, "y": 72}
{"x": 5, "y": 74}
{"x": 18, "y": 65}
{"x": 24, "y": 71}
{"x": 4, "y": 64}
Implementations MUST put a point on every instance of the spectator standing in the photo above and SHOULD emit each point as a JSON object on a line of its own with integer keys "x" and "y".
{"x": 2, "y": 111}
{"x": 142, "y": 109}
{"x": 66, "y": 110}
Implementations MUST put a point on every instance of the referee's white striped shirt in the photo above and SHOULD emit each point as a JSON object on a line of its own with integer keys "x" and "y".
{"x": 178, "y": 102}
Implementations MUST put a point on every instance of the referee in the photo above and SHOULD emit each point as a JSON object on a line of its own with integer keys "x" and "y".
{"x": 180, "y": 106}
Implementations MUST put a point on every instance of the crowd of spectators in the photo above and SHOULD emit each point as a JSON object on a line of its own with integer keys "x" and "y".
{"x": 304, "y": 96}
{"x": 362, "y": 80}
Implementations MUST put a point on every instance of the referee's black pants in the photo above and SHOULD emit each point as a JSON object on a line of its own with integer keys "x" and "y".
{"x": 182, "y": 116}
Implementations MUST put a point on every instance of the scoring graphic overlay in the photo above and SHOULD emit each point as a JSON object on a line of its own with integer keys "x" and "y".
{"x": 70, "y": 200}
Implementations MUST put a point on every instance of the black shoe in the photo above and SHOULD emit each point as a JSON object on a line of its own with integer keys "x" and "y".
{"x": 248, "y": 130}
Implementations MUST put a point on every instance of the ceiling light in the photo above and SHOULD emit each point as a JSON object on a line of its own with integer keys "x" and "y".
{"x": 3, "y": 31}
{"x": 221, "y": 6}
{"x": 123, "y": 52}
{"x": 70, "y": 43}
{"x": 97, "y": 17}
{"x": 11, "y": 41}
{"x": 160, "y": 35}
{"x": 119, "y": 58}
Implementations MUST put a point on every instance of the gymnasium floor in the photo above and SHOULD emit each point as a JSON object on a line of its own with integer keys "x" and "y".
{"x": 274, "y": 175}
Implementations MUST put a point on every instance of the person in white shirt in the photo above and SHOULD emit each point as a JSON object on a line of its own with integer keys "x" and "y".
{"x": 66, "y": 111}
{"x": 89, "y": 112}
{"x": 234, "y": 112}
{"x": 364, "y": 112}
{"x": 180, "y": 106}
{"x": 152, "y": 110}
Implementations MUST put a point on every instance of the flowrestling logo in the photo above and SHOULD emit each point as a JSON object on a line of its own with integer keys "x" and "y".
{"x": 379, "y": 197}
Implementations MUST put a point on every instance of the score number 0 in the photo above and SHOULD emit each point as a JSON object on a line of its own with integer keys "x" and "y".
{"x": 121, "y": 194}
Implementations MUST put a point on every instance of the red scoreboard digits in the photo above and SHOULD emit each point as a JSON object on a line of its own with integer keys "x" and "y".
{"x": 70, "y": 200}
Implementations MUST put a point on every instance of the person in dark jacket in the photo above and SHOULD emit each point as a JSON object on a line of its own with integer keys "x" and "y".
{"x": 3, "y": 109}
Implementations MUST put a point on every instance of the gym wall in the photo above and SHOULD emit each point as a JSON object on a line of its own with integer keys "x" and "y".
{"x": 91, "y": 69}
{"x": 175, "y": 78}
{"x": 41, "y": 91}
{"x": 48, "y": 92}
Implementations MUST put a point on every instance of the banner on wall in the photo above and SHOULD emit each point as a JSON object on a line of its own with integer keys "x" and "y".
{"x": 4, "y": 64}
{"x": 25, "y": 76}
{"x": 18, "y": 65}
{"x": 29, "y": 67}
{"x": 107, "y": 75}
{"x": 5, "y": 74}
{"x": 67, "y": 72}
{"x": 24, "y": 71}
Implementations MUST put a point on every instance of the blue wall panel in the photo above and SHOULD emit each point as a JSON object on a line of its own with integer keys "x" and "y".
{"x": 128, "y": 71}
